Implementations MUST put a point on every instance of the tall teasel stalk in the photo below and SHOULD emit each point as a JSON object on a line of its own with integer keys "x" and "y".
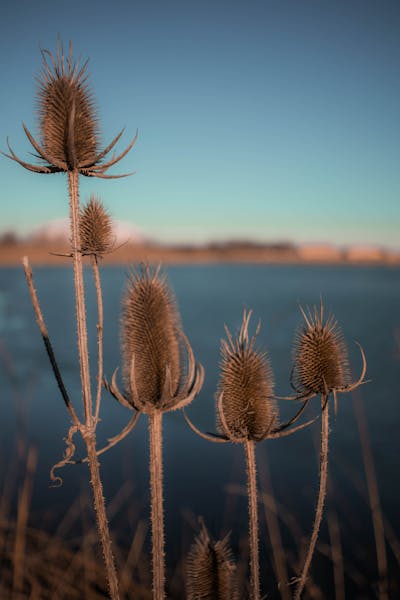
{"x": 69, "y": 143}
{"x": 157, "y": 380}
{"x": 247, "y": 413}
{"x": 320, "y": 368}
{"x": 211, "y": 570}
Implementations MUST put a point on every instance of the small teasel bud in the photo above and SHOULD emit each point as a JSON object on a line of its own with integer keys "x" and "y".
{"x": 320, "y": 359}
{"x": 150, "y": 327}
{"x": 211, "y": 571}
{"x": 95, "y": 228}
{"x": 68, "y": 123}
{"x": 246, "y": 386}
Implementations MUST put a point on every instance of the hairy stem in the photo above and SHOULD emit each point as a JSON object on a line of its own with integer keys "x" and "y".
{"x": 73, "y": 188}
{"x": 101, "y": 517}
{"x": 253, "y": 519}
{"x": 156, "y": 493}
{"x": 323, "y": 478}
{"x": 88, "y": 431}
{"x": 100, "y": 321}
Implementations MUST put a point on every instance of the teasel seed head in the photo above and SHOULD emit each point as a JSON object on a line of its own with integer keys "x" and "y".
{"x": 211, "y": 571}
{"x": 320, "y": 358}
{"x": 95, "y": 228}
{"x": 68, "y": 126}
{"x": 67, "y": 119}
{"x": 158, "y": 366}
{"x": 246, "y": 387}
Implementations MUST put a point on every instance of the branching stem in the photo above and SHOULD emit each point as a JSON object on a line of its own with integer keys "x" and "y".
{"x": 89, "y": 431}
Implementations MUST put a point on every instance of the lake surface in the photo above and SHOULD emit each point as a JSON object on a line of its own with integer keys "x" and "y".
{"x": 203, "y": 478}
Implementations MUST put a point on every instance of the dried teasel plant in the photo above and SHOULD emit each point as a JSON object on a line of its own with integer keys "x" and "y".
{"x": 96, "y": 229}
{"x": 211, "y": 569}
{"x": 68, "y": 125}
{"x": 69, "y": 142}
{"x": 158, "y": 378}
{"x": 247, "y": 413}
{"x": 320, "y": 368}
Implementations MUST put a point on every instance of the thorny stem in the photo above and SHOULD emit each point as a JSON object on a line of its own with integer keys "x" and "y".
{"x": 88, "y": 433}
{"x": 99, "y": 297}
{"x": 156, "y": 493}
{"x": 73, "y": 188}
{"x": 253, "y": 519}
{"x": 101, "y": 517}
{"x": 323, "y": 478}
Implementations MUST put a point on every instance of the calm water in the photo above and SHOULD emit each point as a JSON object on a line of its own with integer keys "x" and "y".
{"x": 366, "y": 302}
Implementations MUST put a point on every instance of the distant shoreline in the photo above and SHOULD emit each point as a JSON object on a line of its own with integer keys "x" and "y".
{"x": 40, "y": 254}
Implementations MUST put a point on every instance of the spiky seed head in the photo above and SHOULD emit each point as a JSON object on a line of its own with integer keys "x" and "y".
{"x": 246, "y": 384}
{"x": 95, "y": 228}
{"x": 211, "y": 571}
{"x": 320, "y": 359}
{"x": 150, "y": 327}
{"x": 67, "y": 119}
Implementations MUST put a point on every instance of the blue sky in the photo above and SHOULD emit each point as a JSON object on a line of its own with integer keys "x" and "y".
{"x": 273, "y": 120}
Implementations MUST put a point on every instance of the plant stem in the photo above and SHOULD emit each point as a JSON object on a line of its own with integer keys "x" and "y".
{"x": 253, "y": 518}
{"x": 101, "y": 517}
{"x": 323, "y": 478}
{"x": 73, "y": 188}
{"x": 156, "y": 493}
{"x": 100, "y": 321}
{"x": 88, "y": 433}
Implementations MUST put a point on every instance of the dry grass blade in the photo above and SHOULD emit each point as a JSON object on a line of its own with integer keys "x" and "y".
{"x": 374, "y": 500}
{"x": 22, "y": 523}
{"x": 270, "y": 510}
{"x": 337, "y": 556}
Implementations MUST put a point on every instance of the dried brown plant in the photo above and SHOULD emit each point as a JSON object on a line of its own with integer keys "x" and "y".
{"x": 211, "y": 570}
{"x": 156, "y": 381}
{"x": 95, "y": 227}
{"x": 68, "y": 125}
{"x": 247, "y": 413}
{"x": 69, "y": 142}
{"x": 320, "y": 367}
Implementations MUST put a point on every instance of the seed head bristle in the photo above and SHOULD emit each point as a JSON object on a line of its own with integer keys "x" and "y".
{"x": 246, "y": 384}
{"x": 150, "y": 327}
{"x": 320, "y": 359}
{"x": 68, "y": 123}
{"x": 211, "y": 571}
{"x": 95, "y": 228}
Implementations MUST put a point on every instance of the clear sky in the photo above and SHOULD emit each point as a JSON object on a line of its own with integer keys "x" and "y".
{"x": 270, "y": 120}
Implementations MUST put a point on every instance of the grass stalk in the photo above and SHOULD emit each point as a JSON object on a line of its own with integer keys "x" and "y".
{"x": 156, "y": 494}
{"x": 374, "y": 499}
{"x": 271, "y": 515}
{"x": 323, "y": 479}
{"x": 336, "y": 555}
{"x": 253, "y": 519}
